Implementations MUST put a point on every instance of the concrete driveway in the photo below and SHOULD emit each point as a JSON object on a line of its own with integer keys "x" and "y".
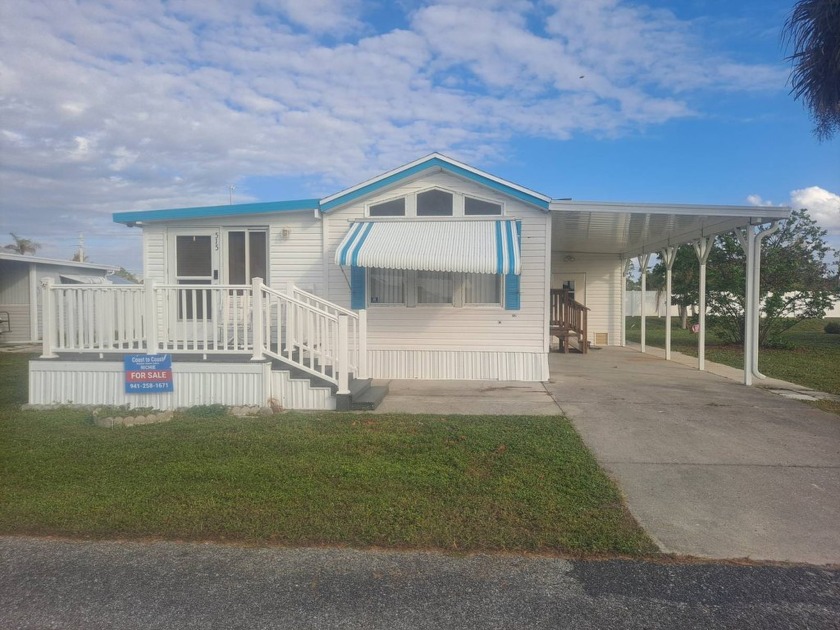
{"x": 708, "y": 466}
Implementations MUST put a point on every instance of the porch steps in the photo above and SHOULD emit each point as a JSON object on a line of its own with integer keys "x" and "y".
{"x": 564, "y": 335}
{"x": 365, "y": 395}
{"x": 291, "y": 392}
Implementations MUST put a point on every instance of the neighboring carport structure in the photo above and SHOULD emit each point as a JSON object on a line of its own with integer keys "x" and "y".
{"x": 632, "y": 230}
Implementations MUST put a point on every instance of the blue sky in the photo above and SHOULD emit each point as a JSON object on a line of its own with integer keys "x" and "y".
{"x": 137, "y": 104}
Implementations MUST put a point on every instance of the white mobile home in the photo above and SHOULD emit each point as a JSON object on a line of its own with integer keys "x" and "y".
{"x": 435, "y": 270}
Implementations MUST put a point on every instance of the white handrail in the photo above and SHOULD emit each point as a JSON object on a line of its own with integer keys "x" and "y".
{"x": 301, "y": 335}
{"x": 356, "y": 327}
{"x": 297, "y": 328}
{"x": 320, "y": 302}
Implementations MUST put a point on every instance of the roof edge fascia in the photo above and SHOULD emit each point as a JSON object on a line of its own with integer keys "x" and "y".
{"x": 202, "y": 212}
{"x": 767, "y": 213}
{"x": 56, "y": 261}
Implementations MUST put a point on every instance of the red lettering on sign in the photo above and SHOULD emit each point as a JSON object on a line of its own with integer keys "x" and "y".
{"x": 159, "y": 376}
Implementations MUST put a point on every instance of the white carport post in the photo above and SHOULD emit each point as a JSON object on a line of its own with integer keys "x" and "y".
{"x": 669, "y": 254}
{"x": 643, "y": 263}
{"x": 625, "y": 267}
{"x": 756, "y": 286}
{"x": 751, "y": 244}
{"x": 702, "y": 247}
{"x": 746, "y": 236}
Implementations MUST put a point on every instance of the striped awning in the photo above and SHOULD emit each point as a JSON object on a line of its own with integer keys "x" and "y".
{"x": 450, "y": 245}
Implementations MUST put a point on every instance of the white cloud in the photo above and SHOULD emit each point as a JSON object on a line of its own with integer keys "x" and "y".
{"x": 321, "y": 16}
{"x": 135, "y": 104}
{"x": 756, "y": 200}
{"x": 822, "y": 205}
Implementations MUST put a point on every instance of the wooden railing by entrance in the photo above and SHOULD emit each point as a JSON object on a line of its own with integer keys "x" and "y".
{"x": 568, "y": 320}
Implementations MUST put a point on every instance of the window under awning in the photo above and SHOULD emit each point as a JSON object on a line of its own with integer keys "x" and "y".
{"x": 451, "y": 245}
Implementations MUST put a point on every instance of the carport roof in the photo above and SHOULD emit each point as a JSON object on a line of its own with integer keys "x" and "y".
{"x": 630, "y": 229}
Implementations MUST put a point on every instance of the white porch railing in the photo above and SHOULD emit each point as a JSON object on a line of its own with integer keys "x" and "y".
{"x": 295, "y": 327}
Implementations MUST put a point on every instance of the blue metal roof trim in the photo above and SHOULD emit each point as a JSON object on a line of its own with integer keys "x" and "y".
{"x": 435, "y": 163}
{"x": 216, "y": 211}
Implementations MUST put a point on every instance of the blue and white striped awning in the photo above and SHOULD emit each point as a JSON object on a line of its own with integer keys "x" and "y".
{"x": 450, "y": 245}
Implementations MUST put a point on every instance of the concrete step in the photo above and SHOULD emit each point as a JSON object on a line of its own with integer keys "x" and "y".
{"x": 370, "y": 398}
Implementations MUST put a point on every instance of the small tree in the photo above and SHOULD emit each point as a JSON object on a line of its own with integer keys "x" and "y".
{"x": 631, "y": 279}
{"x": 794, "y": 275}
{"x": 122, "y": 272}
{"x": 22, "y": 245}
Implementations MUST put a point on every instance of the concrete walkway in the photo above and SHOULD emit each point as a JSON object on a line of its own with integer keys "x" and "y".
{"x": 709, "y": 467}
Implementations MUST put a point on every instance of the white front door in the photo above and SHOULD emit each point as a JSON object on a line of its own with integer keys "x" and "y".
{"x": 194, "y": 260}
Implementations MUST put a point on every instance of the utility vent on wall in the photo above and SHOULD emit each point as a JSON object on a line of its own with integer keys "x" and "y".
{"x": 602, "y": 339}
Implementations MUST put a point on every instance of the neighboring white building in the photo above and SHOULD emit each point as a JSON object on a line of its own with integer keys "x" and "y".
{"x": 20, "y": 290}
{"x": 444, "y": 272}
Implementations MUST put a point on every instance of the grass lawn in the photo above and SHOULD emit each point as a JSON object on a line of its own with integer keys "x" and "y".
{"x": 458, "y": 483}
{"x": 813, "y": 360}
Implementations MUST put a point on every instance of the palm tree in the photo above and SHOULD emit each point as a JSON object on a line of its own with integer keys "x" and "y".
{"x": 22, "y": 245}
{"x": 814, "y": 30}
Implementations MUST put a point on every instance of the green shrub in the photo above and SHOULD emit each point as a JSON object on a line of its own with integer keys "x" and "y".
{"x": 832, "y": 328}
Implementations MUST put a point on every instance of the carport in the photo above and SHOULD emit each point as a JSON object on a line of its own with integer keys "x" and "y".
{"x": 627, "y": 231}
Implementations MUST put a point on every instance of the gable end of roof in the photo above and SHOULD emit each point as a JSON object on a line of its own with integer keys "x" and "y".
{"x": 434, "y": 162}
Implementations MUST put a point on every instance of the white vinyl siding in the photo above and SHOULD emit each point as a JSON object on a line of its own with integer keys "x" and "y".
{"x": 14, "y": 282}
{"x": 154, "y": 254}
{"x": 19, "y": 321}
{"x": 15, "y": 300}
{"x": 293, "y": 241}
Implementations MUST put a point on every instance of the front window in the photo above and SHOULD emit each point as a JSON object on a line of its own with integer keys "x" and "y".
{"x": 387, "y": 286}
{"x": 482, "y": 288}
{"x": 434, "y": 287}
{"x": 479, "y": 207}
{"x": 414, "y": 288}
{"x": 392, "y": 208}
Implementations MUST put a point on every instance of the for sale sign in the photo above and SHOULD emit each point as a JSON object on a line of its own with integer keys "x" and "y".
{"x": 148, "y": 373}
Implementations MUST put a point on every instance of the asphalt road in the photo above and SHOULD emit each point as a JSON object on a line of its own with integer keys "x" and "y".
{"x": 65, "y": 584}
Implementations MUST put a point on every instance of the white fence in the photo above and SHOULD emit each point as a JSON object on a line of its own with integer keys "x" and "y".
{"x": 295, "y": 327}
{"x": 655, "y": 305}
